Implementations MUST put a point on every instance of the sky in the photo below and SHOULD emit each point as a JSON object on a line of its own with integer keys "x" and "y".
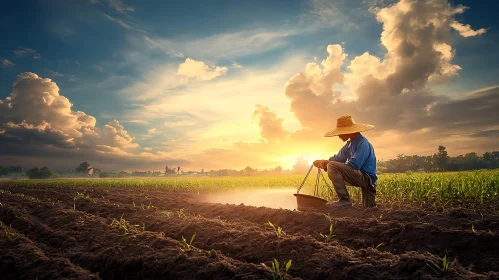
{"x": 137, "y": 85}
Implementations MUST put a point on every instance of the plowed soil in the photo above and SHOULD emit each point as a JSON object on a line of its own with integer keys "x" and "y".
{"x": 73, "y": 233}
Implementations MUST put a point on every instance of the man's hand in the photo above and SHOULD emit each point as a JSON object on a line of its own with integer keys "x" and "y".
{"x": 321, "y": 164}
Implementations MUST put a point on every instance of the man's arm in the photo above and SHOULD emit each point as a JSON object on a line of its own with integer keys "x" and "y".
{"x": 342, "y": 155}
{"x": 358, "y": 159}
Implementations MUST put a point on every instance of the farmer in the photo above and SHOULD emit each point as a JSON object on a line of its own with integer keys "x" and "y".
{"x": 355, "y": 163}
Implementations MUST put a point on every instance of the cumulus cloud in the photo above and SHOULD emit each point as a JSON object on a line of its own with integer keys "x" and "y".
{"x": 392, "y": 92}
{"x": 39, "y": 127}
{"x": 7, "y": 63}
{"x": 199, "y": 70}
{"x": 35, "y": 112}
{"x": 270, "y": 125}
{"x": 22, "y": 52}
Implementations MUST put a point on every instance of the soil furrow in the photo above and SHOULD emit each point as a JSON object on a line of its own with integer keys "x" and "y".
{"x": 358, "y": 232}
{"x": 241, "y": 233}
{"x": 250, "y": 244}
{"x": 100, "y": 248}
{"x": 21, "y": 258}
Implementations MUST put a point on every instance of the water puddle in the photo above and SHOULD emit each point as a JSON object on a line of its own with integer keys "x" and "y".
{"x": 272, "y": 198}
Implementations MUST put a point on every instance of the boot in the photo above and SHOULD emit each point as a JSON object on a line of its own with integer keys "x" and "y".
{"x": 368, "y": 196}
{"x": 340, "y": 202}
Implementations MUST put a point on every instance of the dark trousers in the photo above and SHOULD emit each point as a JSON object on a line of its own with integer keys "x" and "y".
{"x": 342, "y": 174}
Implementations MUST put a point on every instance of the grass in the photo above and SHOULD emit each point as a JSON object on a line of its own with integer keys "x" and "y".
{"x": 437, "y": 189}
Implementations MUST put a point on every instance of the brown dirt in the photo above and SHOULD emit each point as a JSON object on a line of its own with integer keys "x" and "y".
{"x": 60, "y": 234}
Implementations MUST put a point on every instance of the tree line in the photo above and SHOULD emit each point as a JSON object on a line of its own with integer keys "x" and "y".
{"x": 440, "y": 161}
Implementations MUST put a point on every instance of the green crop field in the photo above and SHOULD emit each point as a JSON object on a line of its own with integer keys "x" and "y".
{"x": 442, "y": 189}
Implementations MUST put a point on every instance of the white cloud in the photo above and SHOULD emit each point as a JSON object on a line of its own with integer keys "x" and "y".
{"x": 391, "y": 92}
{"x": 38, "y": 127}
{"x": 179, "y": 123}
{"x": 199, "y": 70}
{"x": 270, "y": 125}
{"x": 166, "y": 48}
{"x": 36, "y": 108}
{"x": 229, "y": 45}
{"x": 22, "y": 51}
{"x": 119, "y": 6}
{"x": 123, "y": 24}
{"x": 466, "y": 30}
{"x": 7, "y": 63}
{"x": 236, "y": 65}
{"x": 325, "y": 10}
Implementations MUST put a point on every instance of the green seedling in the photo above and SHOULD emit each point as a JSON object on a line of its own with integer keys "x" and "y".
{"x": 473, "y": 229}
{"x": 222, "y": 221}
{"x": 210, "y": 252}
{"x": 187, "y": 246}
{"x": 378, "y": 219}
{"x": 328, "y": 218}
{"x": 122, "y": 224}
{"x": 276, "y": 270}
{"x": 278, "y": 229}
{"x": 491, "y": 233}
{"x": 180, "y": 213}
{"x": 10, "y": 233}
{"x": 443, "y": 268}
{"x": 379, "y": 245}
{"x": 328, "y": 236}
{"x": 166, "y": 213}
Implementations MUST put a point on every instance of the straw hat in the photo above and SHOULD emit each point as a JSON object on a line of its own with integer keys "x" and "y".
{"x": 346, "y": 125}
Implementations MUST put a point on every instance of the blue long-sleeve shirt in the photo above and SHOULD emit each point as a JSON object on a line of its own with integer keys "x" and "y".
{"x": 359, "y": 154}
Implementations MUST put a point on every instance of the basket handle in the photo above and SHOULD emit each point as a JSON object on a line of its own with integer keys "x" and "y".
{"x": 301, "y": 186}
{"x": 316, "y": 182}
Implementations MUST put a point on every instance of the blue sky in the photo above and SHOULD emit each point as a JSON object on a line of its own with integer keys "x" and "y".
{"x": 115, "y": 59}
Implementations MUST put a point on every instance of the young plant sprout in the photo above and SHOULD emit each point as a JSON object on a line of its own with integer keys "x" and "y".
{"x": 278, "y": 229}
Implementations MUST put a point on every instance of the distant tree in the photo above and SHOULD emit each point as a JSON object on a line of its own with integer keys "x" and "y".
{"x": 471, "y": 161}
{"x": 178, "y": 170}
{"x": 278, "y": 170}
{"x": 441, "y": 159}
{"x": 249, "y": 171}
{"x": 84, "y": 167}
{"x": 456, "y": 163}
{"x": 40, "y": 173}
{"x": 8, "y": 170}
{"x": 171, "y": 170}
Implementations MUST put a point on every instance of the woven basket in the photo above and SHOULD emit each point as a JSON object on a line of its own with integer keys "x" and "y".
{"x": 306, "y": 202}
